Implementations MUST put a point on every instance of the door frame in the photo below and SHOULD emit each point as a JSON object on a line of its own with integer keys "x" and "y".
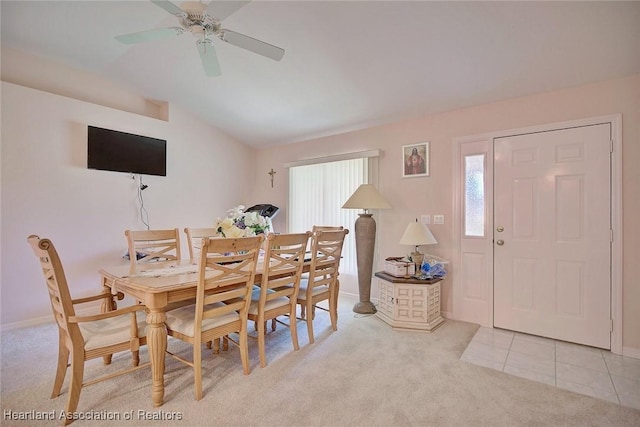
{"x": 480, "y": 309}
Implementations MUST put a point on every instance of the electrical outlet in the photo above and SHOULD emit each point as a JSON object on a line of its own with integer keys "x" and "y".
{"x": 425, "y": 219}
{"x": 438, "y": 219}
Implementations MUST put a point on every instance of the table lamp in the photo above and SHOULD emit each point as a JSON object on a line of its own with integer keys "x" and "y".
{"x": 417, "y": 234}
{"x": 365, "y": 197}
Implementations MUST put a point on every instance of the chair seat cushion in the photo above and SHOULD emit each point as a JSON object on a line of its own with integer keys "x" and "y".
{"x": 302, "y": 294}
{"x": 182, "y": 319}
{"x": 101, "y": 333}
{"x": 270, "y": 305}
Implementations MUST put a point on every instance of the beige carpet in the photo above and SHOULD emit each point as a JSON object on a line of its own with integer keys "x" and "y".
{"x": 365, "y": 374}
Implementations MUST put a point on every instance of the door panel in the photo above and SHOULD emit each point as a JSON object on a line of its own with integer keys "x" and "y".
{"x": 552, "y": 259}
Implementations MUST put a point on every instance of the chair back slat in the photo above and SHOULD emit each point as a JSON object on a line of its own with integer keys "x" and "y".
{"x": 153, "y": 245}
{"x": 222, "y": 296}
{"x": 194, "y": 240}
{"x": 222, "y": 310}
{"x": 327, "y": 228}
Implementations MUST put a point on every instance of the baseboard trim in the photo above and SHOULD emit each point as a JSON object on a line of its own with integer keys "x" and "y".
{"x": 626, "y": 351}
{"x": 90, "y": 308}
{"x": 26, "y": 323}
{"x": 355, "y": 296}
{"x": 631, "y": 352}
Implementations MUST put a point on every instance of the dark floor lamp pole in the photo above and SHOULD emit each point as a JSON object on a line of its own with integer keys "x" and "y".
{"x": 365, "y": 197}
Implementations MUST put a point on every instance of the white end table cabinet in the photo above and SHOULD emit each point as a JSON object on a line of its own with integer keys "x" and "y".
{"x": 409, "y": 303}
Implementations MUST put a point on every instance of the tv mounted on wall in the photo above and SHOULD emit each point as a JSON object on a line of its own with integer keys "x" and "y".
{"x": 112, "y": 150}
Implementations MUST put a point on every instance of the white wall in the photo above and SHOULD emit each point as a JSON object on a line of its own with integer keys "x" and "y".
{"x": 411, "y": 197}
{"x": 48, "y": 190}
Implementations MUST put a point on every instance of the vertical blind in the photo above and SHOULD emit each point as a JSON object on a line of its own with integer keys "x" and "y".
{"x": 316, "y": 195}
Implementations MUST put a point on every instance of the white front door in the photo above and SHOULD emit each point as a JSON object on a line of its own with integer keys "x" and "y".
{"x": 552, "y": 234}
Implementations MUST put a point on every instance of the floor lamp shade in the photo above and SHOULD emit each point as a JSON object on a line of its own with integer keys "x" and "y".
{"x": 365, "y": 197}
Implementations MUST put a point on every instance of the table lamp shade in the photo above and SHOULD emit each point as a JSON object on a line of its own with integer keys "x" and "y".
{"x": 417, "y": 234}
{"x": 366, "y": 197}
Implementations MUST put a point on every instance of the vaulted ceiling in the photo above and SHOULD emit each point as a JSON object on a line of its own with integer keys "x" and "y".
{"x": 347, "y": 64}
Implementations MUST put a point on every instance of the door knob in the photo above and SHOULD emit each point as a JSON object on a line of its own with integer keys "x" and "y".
{"x": 499, "y": 242}
{"x": 500, "y": 229}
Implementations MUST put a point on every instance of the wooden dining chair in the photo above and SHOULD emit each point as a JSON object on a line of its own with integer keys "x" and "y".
{"x": 277, "y": 296}
{"x": 226, "y": 272}
{"x": 322, "y": 282}
{"x": 153, "y": 245}
{"x": 88, "y": 336}
{"x": 194, "y": 243}
{"x": 194, "y": 240}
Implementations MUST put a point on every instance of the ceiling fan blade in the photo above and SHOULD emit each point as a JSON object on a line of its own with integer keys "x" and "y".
{"x": 145, "y": 36}
{"x": 170, "y": 7}
{"x": 222, "y": 9}
{"x": 252, "y": 45}
{"x": 208, "y": 57}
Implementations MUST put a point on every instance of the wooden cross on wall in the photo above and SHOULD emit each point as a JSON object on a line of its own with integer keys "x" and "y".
{"x": 272, "y": 173}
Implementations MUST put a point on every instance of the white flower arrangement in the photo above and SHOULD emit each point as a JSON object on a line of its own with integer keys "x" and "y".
{"x": 242, "y": 224}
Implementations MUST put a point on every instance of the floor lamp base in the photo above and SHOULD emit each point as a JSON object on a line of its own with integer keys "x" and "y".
{"x": 366, "y": 307}
{"x": 365, "y": 243}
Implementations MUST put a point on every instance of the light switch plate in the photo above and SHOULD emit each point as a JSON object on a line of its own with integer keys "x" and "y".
{"x": 425, "y": 219}
{"x": 438, "y": 219}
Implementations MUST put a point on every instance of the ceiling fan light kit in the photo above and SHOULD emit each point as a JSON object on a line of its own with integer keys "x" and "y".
{"x": 205, "y": 23}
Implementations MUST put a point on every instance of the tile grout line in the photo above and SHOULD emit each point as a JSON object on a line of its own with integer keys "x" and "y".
{"x": 555, "y": 358}
{"x": 613, "y": 384}
{"x": 504, "y": 365}
{"x": 555, "y": 365}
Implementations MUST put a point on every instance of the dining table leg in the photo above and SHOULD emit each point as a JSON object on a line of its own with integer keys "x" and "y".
{"x": 157, "y": 343}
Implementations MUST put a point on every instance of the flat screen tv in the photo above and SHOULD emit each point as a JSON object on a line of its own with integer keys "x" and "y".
{"x": 112, "y": 150}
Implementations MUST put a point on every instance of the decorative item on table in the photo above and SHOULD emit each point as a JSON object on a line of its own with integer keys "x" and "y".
{"x": 267, "y": 210}
{"x": 432, "y": 268}
{"x": 417, "y": 234}
{"x": 242, "y": 224}
{"x": 399, "y": 267}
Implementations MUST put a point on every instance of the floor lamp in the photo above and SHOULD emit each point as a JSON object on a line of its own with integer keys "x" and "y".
{"x": 365, "y": 197}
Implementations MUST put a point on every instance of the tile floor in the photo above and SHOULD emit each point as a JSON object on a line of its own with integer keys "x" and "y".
{"x": 586, "y": 370}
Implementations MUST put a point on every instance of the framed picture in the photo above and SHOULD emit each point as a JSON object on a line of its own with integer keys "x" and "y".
{"x": 415, "y": 160}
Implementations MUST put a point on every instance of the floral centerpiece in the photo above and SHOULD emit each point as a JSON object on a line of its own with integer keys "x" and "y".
{"x": 242, "y": 224}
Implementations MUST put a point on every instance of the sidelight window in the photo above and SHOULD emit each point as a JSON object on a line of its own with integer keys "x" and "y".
{"x": 474, "y": 195}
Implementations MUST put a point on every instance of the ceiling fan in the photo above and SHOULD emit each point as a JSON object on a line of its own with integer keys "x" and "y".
{"x": 205, "y": 22}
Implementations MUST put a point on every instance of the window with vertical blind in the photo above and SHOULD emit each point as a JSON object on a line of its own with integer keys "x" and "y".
{"x": 316, "y": 195}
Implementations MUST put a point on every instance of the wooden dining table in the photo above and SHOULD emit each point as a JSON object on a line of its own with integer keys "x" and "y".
{"x": 157, "y": 285}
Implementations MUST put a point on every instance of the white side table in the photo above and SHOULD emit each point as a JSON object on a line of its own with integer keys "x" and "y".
{"x": 408, "y": 303}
